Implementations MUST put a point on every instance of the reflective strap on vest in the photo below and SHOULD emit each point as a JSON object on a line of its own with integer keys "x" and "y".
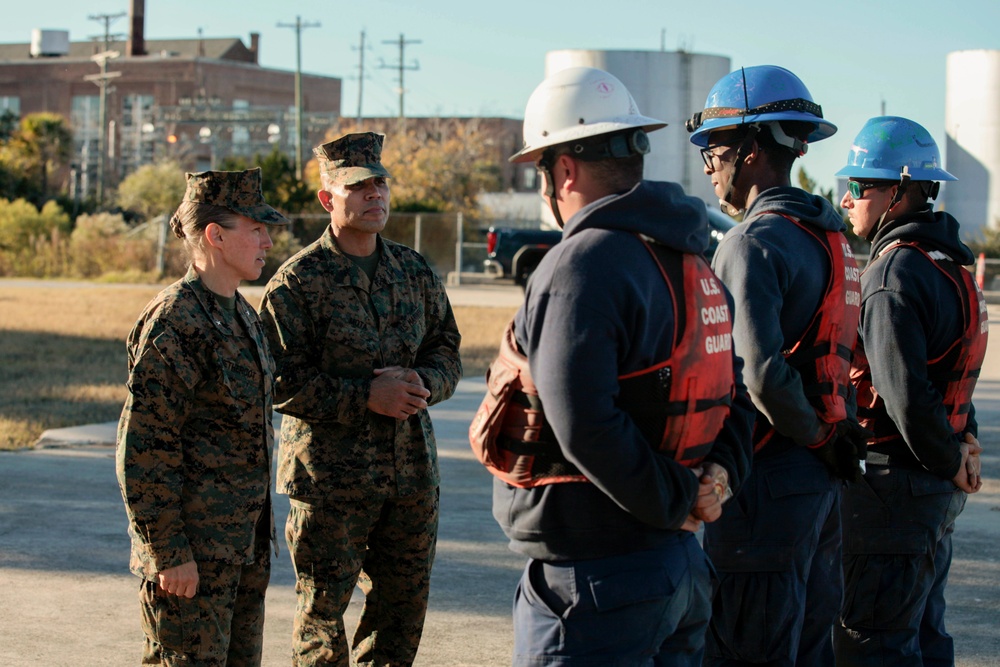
{"x": 511, "y": 438}
{"x": 509, "y": 434}
{"x": 954, "y": 373}
{"x": 680, "y": 404}
{"x": 822, "y": 356}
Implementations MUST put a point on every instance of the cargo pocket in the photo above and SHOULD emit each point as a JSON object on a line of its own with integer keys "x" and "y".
{"x": 753, "y": 613}
{"x": 167, "y": 620}
{"x": 883, "y": 592}
{"x": 628, "y": 605}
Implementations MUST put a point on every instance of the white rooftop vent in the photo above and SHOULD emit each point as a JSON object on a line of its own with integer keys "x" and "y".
{"x": 46, "y": 43}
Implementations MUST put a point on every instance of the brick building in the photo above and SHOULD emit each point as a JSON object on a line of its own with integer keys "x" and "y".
{"x": 194, "y": 100}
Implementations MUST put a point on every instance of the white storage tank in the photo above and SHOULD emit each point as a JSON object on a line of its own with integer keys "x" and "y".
{"x": 972, "y": 126}
{"x": 669, "y": 86}
{"x": 48, "y": 43}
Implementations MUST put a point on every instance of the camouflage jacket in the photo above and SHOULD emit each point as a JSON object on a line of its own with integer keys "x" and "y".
{"x": 326, "y": 345}
{"x": 195, "y": 435}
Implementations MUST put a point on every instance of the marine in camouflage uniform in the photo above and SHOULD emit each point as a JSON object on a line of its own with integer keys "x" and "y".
{"x": 363, "y": 483}
{"x": 194, "y": 455}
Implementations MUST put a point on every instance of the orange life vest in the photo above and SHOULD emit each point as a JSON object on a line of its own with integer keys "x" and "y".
{"x": 679, "y": 405}
{"x": 822, "y": 356}
{"x": 954, "y": 372}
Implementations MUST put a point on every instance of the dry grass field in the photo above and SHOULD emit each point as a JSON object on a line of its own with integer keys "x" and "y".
{"x": 62, "y": 353}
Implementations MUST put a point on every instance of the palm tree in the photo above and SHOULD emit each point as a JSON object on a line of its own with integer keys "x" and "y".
{"x": 45, "y": 143}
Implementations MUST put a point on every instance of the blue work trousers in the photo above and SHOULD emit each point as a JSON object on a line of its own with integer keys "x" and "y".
{"x": 642, "y": 609}
{"x": 777, "y": 549}
{"x": 897, "y": 552}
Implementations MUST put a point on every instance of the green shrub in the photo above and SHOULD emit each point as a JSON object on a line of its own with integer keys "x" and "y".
{"x": 33, "y": 243}
{"x": 100, "y": 244}
{"x": 21, "y": 223}
{"x": 153, "y": 189}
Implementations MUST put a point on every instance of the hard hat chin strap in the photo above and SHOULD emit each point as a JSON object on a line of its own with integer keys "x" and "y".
{"x": 618, "y": 145}
{"x": 904, "y": 180}
{"x": 724, "y": 202}
{"x": 545, "y": 164}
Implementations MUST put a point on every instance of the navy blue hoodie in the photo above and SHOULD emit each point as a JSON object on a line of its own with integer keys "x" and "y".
{"x": 777, "y": 273}
{"x": 596, "y": 308}
{"x": 910, "y": 312}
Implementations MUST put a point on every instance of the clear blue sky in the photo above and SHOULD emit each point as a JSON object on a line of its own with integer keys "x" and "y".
{"x": 485, "y": 58}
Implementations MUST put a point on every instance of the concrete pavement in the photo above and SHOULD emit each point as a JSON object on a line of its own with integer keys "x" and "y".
{"x": 66, "y": 597}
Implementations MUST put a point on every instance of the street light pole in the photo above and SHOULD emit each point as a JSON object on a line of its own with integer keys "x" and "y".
{"x": 298, "y": 26}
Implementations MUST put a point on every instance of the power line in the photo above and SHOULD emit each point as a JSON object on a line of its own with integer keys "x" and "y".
{"x": 401, "y": 66}
{"x": 298, "y": 26}
{"x": 107, "y": 20}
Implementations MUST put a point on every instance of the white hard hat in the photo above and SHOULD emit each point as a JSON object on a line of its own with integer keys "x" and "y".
{"x": 577, "y": 103}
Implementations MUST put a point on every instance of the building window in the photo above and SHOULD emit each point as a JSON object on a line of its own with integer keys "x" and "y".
{"x": 138, "y": 133}
{"x": 84, "y": 116}
{"x": 241, "y": 128}
{"x": 10, "y": 103}
{"x": 529, "y": 178}
{"x": 10, "y": 114}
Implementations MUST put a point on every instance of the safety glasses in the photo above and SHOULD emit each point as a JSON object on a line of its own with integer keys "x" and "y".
{"x": 708, "y": 154}
{"x": 857, "y": 188}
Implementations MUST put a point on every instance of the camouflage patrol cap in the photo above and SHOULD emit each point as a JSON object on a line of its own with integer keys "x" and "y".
{"x": 239, "y": 191}
{"x": 352, "y": 158}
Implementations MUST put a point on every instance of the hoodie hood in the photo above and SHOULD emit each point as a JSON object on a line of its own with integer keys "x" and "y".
{"x": 937, "y": 230}
{"x": 659, "y": 210}
{"x": 795, "y": 202}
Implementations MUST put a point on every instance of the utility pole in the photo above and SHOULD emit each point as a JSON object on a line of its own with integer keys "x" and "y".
{"x": 298, "y": 26}
{"x": 361, "y": 72}
{"x": 107, "y": 20}
{"x": 102, "y": 135}
{"x": 102, "y": 82}
{"x": 401, "y": 66}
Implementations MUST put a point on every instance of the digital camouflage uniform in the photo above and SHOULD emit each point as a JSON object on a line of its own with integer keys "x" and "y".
{"x": 363, "y": 487}
{"x": 194, "y": 458}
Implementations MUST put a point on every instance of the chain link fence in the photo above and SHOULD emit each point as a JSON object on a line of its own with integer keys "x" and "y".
{"x": 452, "y": 246}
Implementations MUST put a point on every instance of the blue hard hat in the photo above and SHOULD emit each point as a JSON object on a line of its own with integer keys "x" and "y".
{"x": 887, "y": 144}
{"x": 759, "y": 94}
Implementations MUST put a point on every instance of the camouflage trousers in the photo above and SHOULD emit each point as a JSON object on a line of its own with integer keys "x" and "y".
{"x": 385, "y": 545}
{"x": 221, "y": 626}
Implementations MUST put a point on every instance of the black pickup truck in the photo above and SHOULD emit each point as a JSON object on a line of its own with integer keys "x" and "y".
{"x": 514, "y": 253}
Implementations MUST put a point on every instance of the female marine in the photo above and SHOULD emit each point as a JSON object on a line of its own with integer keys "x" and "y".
{"x": 195, "y": 436}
